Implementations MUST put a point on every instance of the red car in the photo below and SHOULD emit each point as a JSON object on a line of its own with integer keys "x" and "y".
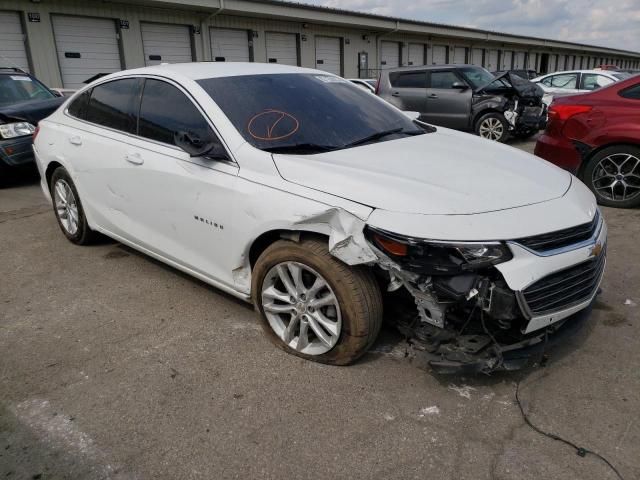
{"x": 596, "y": 136}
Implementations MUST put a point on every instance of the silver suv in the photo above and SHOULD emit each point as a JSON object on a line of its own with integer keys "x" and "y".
{"x": 467, "y": 97}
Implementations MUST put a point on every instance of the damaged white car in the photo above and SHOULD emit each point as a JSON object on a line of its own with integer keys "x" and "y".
{"x": 321, "y": 203}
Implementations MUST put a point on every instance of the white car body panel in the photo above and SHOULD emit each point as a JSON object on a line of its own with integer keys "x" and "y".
{"x": 202, "y": 216}
{"x": 569, "y": 91}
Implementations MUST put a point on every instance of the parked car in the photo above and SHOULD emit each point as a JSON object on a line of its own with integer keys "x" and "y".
{"x": 578, "y": 81}
{"x": 23, "y": 102}
{"x": 526, "y": 74}
{"x": 596, "y": 136}
{"x": 368, "y": 84}
{"x": 297, "y": 190}
{"x": 468, "y": 98}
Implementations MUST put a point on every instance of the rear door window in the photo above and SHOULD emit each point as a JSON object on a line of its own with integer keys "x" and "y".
{"x": 594, "y": 81}
{"x": 443, "y": 79}
{"x": 408, "y": 80}
{"x": 165, "y": 111}
{"x": 568, "y": 80}
{"x": 115, "y": 104}
{"x": 78, "y": 107}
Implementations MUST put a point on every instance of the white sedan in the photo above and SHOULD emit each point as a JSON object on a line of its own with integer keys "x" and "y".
{"x": 301, "y": 192}
{"x": 578, "y": 81}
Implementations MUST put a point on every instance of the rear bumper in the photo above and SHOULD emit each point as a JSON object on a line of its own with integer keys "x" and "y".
{"x": 559, "y": 151}
{"x": 16, "y": 152}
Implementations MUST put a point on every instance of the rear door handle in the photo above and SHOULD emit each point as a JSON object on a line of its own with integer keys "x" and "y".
{"x": 433, "y": 95}
{"x": 134, "y": 158}
{"x": 75, "y": 140}
{"x": 395, "y": 94}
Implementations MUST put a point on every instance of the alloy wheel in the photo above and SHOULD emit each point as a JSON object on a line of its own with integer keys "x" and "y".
{"x": 66, "y": 206}
{"x": 301, "y": 308}
{"x": 617, "y": 177}
{"x": 491, "y": 129}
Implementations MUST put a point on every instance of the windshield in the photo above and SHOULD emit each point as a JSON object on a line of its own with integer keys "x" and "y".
{"x": 306, "y": 113}
{"x": 21, "y": 88}
{"x": 476, "y": 76}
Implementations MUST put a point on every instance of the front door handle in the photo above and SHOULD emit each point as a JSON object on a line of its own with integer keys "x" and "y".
{"x": 75, "y": 140}
{"x": 134, "y": 158}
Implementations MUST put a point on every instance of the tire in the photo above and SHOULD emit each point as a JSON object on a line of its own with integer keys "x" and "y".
{"x": 490, "y": 124}
{"x": 81, "y": 234}
{"x": 613, "y": 175}
{"x": 358, "y": 298}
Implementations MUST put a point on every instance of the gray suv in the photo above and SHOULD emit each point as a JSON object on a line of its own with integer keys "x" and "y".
{"x": 467, "y": 97}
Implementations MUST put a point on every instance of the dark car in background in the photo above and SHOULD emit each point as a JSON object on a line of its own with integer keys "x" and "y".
{"x": 24, "y": 101}
{"x": 468, "y": 98}
{"x": 596, "y": 136}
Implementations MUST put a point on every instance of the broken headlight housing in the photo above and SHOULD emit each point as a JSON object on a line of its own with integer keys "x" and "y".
{"x": 431, "y": 257}
{"x": 19, "y": 129}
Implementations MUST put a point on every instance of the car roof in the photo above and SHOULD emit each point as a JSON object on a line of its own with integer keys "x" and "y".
{"x": 430, "y": 67}
{"x": 601, "y": 72}
{"x": 201, "y": 70}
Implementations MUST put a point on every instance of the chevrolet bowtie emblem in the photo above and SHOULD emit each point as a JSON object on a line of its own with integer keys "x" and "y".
{"x": 596, "y": 250}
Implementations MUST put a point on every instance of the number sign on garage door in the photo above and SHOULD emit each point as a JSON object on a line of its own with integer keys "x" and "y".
{"x": 390, "y": 57}
{"x": 86, "y": 47}
{"x": 12, "y": 49}
{"x": 416, "y": 54}
{"x": 329, "y": 55}
{"x": 282, "y": 48}
{"x": 229, "y": 45}
{"x": 439, "y": 55}
{"x": 165, "y": 43}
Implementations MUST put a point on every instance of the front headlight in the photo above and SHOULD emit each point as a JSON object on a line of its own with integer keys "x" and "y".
{"x": 435, "y": 257}
{"x": 19, "y": 129}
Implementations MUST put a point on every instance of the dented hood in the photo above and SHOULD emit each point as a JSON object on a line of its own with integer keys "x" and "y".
{"x": 445, "y": 172}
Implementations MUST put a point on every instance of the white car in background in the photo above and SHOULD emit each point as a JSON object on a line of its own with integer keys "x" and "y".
{"x": 299, "y": 191}
{"x": 368, "y": 84}
{"x": 578, "y": 81}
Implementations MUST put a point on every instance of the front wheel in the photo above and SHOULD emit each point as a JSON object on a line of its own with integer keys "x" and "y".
{"x": 493, "y": 126}
{"x": 613, "y": 175}
{"x": 314, "y": 306}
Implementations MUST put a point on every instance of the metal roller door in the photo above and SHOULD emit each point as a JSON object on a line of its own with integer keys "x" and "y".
{"x": 329, "y": 55}
{"x": 165, "y": 43}
{"x": 282, "y": 48}
{"x": 459, "y": 55}
{"x": 561, "y": 63}
{"x": 571, "y": 59}
{"x": 416, "y": 54}
{"x": 12, "y": 48}
{"x": 439, "y": 53}
{"x": 390, "y": 55}
{"x": 518, "y": 60}
{"x": 507, "y": 60}
{"x": 86, "y": 47}
{"x": 476, "y": 56}
{"x": 229, "y": 45}
{"x": 492, "y": 63}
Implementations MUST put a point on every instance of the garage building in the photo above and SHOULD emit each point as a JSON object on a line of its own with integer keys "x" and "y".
{"x": 67, "y": 42}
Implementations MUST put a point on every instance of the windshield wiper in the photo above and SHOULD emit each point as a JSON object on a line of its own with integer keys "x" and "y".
{"x": 379, "y": 135}
{"x": 301, "y": 147}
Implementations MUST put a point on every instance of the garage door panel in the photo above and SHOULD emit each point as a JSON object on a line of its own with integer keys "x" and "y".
{"x": 459, "y": 55}
{"x": 282, "y": 48}
{"x": 439, "y": 53}
{"x": 329, "y": 55}
{"x": 12, "y": 46}
{"x": 166, "y": 43}
{"x": 230, "y": 45}
{"x": 416, "y": 54}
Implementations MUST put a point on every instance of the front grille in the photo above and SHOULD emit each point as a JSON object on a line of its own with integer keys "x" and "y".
{"x": 566, "y": 288}
{"x": 561, "y": 238}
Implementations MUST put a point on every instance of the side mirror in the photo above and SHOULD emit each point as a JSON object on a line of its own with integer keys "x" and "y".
{"x": 196, "y": 146}
{"x": 459, "y": 86}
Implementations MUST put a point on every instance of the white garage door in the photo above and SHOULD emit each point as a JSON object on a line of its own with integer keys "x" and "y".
{"x": 439, "y": 53}
{"x": 571, "y": 62}
{"x": 416, "y": 54}
{"x": 390, "y": 55}
{"x": 561, "y": 62}
{"x": 229, "y": 45}
{"x": 328, "y": 55}
{"x": 476, "y": 56}
{"x": 282, "y": 48}
{"x": 459, "y": 55}
{"x": 507, "y": 59}
{"x": 165, "y": 43}
{"x": 518, "y": 60}
{"x": 86, "y": 47}
{"x": 12, "y": 49}
{"x": 492, "y": 61}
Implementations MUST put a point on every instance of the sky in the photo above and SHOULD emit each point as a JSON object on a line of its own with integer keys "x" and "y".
{"x": 609, "y": 23}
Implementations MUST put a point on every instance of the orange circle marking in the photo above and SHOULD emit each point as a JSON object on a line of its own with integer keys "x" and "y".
{"x": 272, "y": 118}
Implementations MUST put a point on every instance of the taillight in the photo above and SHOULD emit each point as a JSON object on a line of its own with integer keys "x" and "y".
{"x": 565, "y": 112}
{"x": 35, "y": 133}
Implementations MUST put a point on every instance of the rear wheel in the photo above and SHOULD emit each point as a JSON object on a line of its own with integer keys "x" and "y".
{"x": 613, "y": 175}
{"x": 493, "y": 126}
{"x": 314, "y": 306}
